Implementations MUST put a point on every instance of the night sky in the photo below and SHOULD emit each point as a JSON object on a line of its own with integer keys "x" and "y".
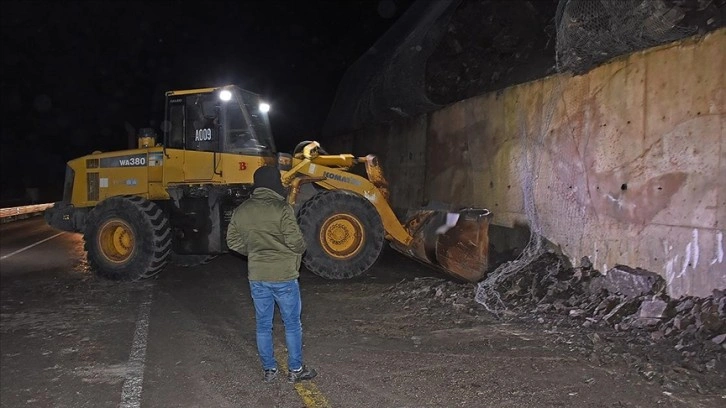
{"x": 84, "y": 76}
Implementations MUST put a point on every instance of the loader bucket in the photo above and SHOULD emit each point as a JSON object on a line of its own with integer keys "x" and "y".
{"x": 456, "y": 243}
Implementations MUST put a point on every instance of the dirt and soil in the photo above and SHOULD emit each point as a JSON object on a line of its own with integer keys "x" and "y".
{"x": 402, "y": 335}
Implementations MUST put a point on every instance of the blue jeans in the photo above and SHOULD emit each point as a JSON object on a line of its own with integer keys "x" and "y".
{"x": 287, "y": 296}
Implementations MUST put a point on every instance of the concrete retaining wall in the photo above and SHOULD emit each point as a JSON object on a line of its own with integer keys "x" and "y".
{"x": 625, "y": 164}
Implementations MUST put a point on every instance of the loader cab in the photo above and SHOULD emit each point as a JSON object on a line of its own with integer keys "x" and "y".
{"x": 221, "y": 120}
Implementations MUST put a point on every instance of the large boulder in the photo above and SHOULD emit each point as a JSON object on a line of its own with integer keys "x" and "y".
{"x": 629, "y": 282}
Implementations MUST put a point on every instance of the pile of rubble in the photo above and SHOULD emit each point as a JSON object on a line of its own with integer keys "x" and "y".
{"x": 624, "y": 298}
{"x": 626, "y": 305}
{"x": 437, "y": 297}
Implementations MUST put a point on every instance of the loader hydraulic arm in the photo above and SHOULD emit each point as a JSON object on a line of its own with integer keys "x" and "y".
{"x": 454, "y": 241}
{"x": 328, "y": 172}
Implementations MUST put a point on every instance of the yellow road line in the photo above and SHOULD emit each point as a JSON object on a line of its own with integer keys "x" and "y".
{"x": 311, "y": 396}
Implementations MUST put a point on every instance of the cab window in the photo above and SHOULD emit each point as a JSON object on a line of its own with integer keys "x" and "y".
{"x": 176, "y": 126}
{"x": 240, "y": 135}
{"x": 202, "y": 123}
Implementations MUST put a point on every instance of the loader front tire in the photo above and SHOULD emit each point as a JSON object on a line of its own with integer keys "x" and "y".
{"x": 343, "y": 232}
{"x": 127, "y": 238}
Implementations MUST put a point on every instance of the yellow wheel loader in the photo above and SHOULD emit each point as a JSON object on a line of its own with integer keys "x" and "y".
{"x": 170, "y": 201}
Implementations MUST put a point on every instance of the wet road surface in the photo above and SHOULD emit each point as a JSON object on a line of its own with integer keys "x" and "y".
{"x": 186, "y": 339}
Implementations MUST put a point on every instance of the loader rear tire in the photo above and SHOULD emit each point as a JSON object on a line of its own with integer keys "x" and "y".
{"x": 127, "y": 238}
{"x": 343, "y": 232}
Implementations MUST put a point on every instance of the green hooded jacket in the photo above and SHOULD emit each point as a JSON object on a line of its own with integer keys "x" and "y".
{"x": 264, "y": 229}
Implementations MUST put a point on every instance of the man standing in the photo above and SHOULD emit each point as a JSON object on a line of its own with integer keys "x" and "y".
{"x": 265, "y": 230}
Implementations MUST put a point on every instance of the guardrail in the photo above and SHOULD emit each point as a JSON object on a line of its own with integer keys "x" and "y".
{"x": 11, "y": 213}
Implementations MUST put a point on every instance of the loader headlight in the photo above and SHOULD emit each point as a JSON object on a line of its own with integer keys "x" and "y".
{"x": 264, "y": 108}
{"x": 225, "y": 95}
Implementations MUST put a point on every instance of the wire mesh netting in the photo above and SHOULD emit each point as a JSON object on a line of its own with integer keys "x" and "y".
{"x": 537, "y": 167}
{"x": 592, "y": 31}
{"x": 388, "y": 81}
{"x": 589, "y": 32}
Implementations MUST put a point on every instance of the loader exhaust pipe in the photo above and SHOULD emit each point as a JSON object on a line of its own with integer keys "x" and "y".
{"x": 456, "y": 243}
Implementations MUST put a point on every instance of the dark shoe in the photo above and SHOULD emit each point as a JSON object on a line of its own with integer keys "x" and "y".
{"x": 302, "y": 374}
{"x": 270, "y": 375}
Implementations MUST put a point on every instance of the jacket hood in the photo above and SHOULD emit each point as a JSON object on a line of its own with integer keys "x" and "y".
{"x": 269, "y": 177}
{"x": 266, "y": 193}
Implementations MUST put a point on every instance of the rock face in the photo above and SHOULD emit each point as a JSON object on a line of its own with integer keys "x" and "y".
{"x": 444, "y": 51}
{"x": 489, "y": 45}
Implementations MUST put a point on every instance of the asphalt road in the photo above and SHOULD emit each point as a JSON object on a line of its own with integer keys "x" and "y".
{"x": 186, "y": 339}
